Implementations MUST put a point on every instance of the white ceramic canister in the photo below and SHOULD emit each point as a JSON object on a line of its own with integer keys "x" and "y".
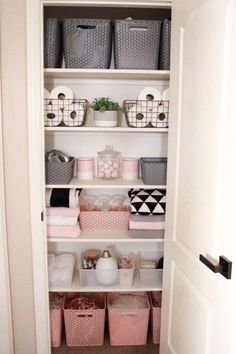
{"x": 106, "y": 269}
{"x": 85, "y": 168}
{"x": 130, "y": 168}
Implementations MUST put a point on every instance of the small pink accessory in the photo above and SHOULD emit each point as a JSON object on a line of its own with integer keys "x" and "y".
{"x": 85, "y": 168}
{"x": 130, "y": 168}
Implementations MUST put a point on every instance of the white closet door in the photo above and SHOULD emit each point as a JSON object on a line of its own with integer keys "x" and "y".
{"x": 199, "y": 305}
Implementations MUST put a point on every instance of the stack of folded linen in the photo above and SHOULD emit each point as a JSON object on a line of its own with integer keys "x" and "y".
{"x": 147, "y": 222}
{"x": 60, "y": 269}
{"x": 62, "y": 213}
{"x": 147, "y": 217}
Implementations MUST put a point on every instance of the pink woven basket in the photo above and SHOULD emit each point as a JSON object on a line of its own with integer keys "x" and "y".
{"x": 56, "y": 323}
{"x": 86, "y": 327}
{"x": 128, "y": 327}
{"x": 155, "y": 317}
{"x": 104, "y": 220}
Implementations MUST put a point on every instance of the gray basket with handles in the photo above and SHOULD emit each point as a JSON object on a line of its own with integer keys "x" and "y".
{"x": 59, "y": 172}
{"x": 154, "y": 170}
{"x": 87, "y": 43}
{"x": 52, "y": 43}
{"x": 164, "y": 60}
{"x": 137, "y": 44}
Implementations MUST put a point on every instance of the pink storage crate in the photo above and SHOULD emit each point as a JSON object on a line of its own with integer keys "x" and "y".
{"x": 155, "y": 301}
{"x": 104, "y": 220}
{"x": 86, "y": 327}
{"x": 128, "y": 326}
{"x": 56, "y": 318}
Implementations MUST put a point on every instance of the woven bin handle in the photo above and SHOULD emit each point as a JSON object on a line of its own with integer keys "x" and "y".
{"x": 84, "y": 315}
{"x": 130, "y": 314}
{"x": 86, "y": 27}
{"x": 138, "y": 29}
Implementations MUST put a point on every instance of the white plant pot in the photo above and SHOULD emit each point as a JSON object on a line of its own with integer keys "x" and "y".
{"x": 105, "y": 119}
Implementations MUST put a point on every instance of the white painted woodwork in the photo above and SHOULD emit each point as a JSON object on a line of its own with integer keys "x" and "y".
{"x": 198, "y": 305}
{"x": 136, "y": 286}
{"x": 117, "y": 74}
{"x": 6, "y": 332}
{"x": 109, "y": 236}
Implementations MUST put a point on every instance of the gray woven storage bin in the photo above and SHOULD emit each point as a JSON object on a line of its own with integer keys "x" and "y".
{"x": 164, "y": 60}
{"x": 137, "y": 44}
{"x": 87, "y": 43}
{"x": 59, "y": 172}
{"x": 52, "y": 43}
{"x": 154, "y": 170}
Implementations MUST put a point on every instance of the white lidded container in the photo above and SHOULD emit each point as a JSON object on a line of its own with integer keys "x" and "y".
{"x": 106, "y": 269}
{"x": 109, "y": 163}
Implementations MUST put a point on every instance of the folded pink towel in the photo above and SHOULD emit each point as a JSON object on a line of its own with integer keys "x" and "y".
{"x": 147, "y": 222}
{"x": 61, "y": 211}
{"x": 63, "y": 231}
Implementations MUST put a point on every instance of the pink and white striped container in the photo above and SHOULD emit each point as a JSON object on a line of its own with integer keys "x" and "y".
{"x": 130, "y": 168}
{"x": 85, "y": 168}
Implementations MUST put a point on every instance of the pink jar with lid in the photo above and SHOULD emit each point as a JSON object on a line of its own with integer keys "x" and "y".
{"x": 85, "y": 168}
{"x": 130, "y": 168}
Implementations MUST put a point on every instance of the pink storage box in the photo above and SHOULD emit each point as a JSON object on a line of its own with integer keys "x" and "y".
{"x": 62, "y": 231}
{"x": 104, "y": 220}
{"x": 56, "y": 322}
{"x": 155, "y": 316}
{"x": 86, "y": 327}
{"x": 128, "y": 327}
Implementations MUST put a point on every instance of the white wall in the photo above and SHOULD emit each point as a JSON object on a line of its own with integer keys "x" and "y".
{"x": 15, "y": 145}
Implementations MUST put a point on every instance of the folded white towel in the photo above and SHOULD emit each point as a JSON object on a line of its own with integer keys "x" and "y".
{"x": 61, "y": 220}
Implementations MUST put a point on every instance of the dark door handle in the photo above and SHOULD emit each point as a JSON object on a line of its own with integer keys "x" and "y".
{"x": 224, "y": 267}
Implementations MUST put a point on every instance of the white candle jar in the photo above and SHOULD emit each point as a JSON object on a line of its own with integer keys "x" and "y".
{"x": 109, "y": 163}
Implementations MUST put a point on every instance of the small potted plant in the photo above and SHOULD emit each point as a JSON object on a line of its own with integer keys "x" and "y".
{"x": 105, "y": 112}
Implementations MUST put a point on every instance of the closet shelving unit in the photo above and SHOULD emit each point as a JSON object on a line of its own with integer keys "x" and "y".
{"x": 120, "y": 85}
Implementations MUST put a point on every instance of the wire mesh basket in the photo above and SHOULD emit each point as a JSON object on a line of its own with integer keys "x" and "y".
{"x": 147, "y": 114}
{"x": 136, "y": 44}
{"x": 64, "y": 112}
{"x": 87, "y": 43}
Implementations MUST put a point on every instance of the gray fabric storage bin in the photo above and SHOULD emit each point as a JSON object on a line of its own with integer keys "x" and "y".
{"x": 154, "y": 170}
{"x": 164, "y": 60}
{"x": 52, "y": 43}
{"x": 59, "y": 172}
{"x": 87, "y": 43}
{"x": 136, "y": 44}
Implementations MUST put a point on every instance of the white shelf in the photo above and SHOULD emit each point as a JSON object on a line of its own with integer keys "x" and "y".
{"x": 108, "y": 236}
{"x": 98, "y": 183}
{"x": 76, "y": 287}
{"x": 105, "y": 74}
{"x": 106, "y": 130}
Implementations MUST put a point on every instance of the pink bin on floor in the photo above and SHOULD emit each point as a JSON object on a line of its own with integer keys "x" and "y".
{"x": 86, "y": 327}
{"x": 56, "y": 321}
{"x": 155, "y": 315}
{"x": 128, "y": 326}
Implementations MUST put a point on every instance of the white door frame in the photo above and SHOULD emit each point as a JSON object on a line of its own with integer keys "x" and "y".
{"x": 6, "y": 331}
{"x": 34, "y": 9}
